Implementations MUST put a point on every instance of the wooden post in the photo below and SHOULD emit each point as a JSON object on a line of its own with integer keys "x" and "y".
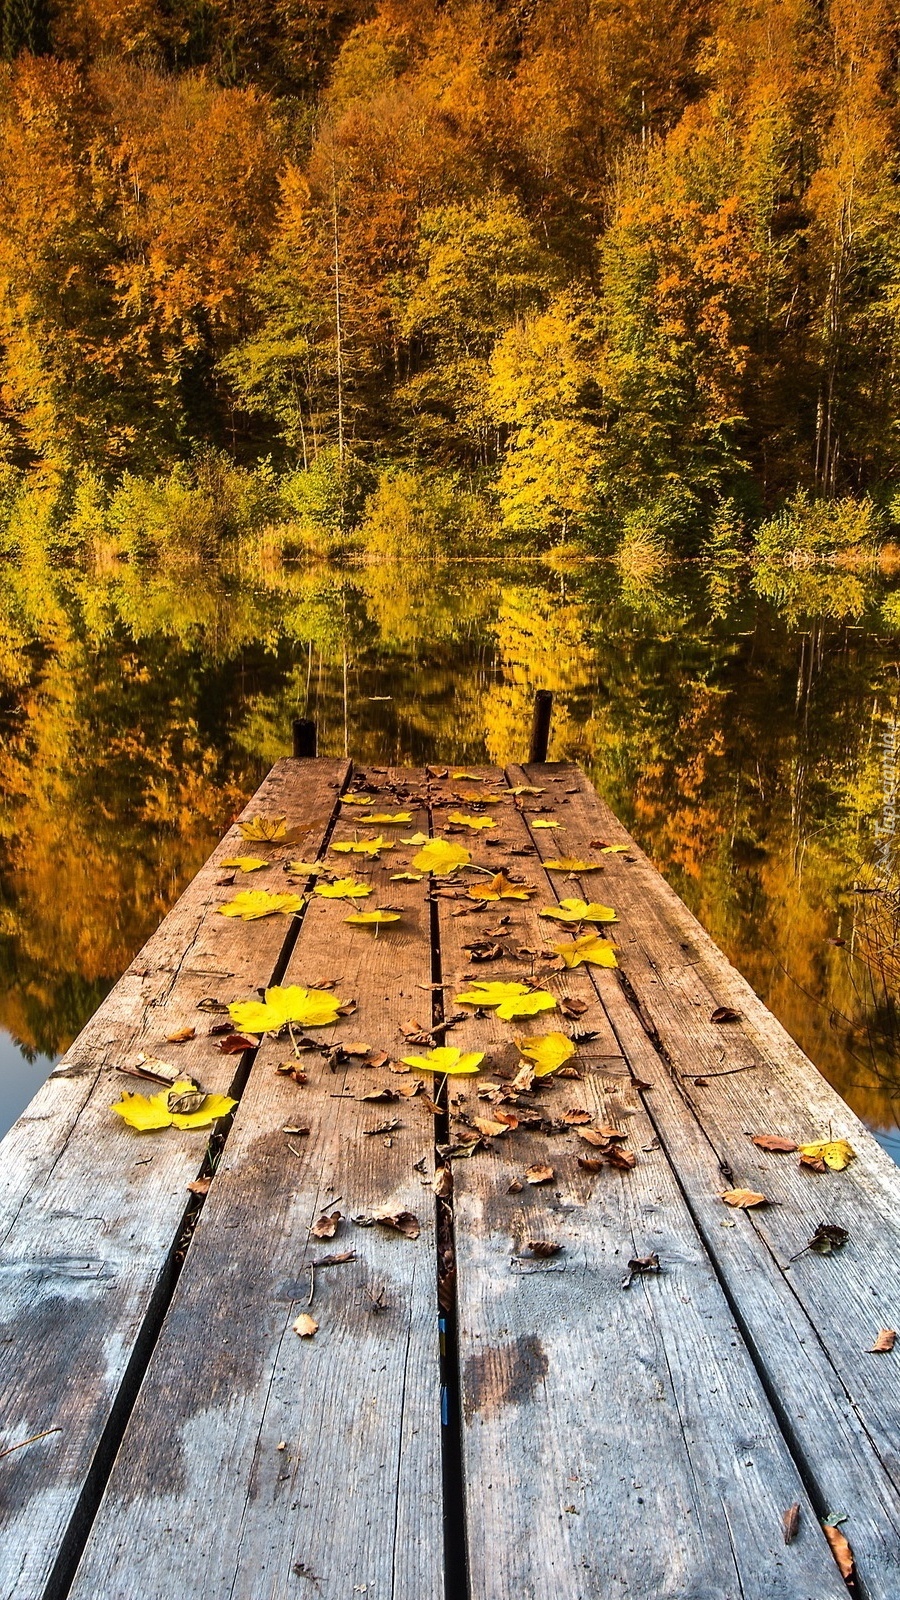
{"x": 540, "y": 727}
{"x": 304, "y": 738}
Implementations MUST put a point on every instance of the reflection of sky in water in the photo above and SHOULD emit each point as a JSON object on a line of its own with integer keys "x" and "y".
{"x": 19, "y": 1079}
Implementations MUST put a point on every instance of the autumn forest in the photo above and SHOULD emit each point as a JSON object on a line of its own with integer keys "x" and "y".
{"x": 557, "y": 268}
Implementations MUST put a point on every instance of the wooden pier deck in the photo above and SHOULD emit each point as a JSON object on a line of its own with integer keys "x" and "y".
{"x": 496, "y": 1394}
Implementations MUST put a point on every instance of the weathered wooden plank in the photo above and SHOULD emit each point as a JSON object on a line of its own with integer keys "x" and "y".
{"x": 616, "y": 1442}
{"x": 91, "y": 1211}
{"x": 809, "y": 1320}
{"x": 324, "y": 1454}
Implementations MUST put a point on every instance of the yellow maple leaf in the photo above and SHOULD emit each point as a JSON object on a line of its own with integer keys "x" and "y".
{"x": 548, "y": 1051}
{"x": 445, "y": 1059}
{"x": 836, "y": 1153}
{"x": 416, "y": 838}
{"x": 500, "y": 888}
{"x": 543, "y": 822}
{"x": 372, "y": 919}
{"x": 464, "y": 821}
{"x": 364, "y": 847}
{"x": 313, "y": 1008}
{"x": 573, "y": 910}
{"x": 481, "y": 799}
{"x": 245, "y": 863}
{"x": 343, "y": 889}
{"x": 573, "y": 864}
{"x": 148, "y": 1113}
{"x": 387, "y": 817}
{"x": 589, "y": 948}
{"x": 253, "y": 903}
{"x": 272, "y": 829}
{"x": 509, "y": 999}
{"x": 357, "y": 799}
{"x": 441, "y": 857}
{"x": 307, "y": 869}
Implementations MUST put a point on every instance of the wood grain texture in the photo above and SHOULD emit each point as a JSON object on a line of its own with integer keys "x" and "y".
{"x": 809, "y": 1320}
{"x": 90, "y": 1210}
{"x": 617, "y": 1442}
{"x": 294, "y": 1463}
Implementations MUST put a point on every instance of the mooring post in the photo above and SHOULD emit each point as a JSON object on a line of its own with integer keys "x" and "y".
{"x": 304, "y": 738}
{"x": 540, "y": 727}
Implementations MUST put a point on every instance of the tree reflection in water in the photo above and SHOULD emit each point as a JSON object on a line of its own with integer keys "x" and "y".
{"x": 739, "y": 736}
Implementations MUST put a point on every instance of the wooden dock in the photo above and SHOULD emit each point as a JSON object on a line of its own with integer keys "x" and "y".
{"x": 531, "y": 1353}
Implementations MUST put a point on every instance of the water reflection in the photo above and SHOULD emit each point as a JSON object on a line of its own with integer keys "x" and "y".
{"x": 739, "y": 735}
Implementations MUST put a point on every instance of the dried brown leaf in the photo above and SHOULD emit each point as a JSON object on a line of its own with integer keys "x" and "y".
{"x": 790, "y": 1522}
{"x": 744, "y": 1199}
{"x": 841, "y": 1551}
{"x": 884, "y": 1341}
{"x": 306, "y": 1325}
{"x": 326, "y": 1226}
{"x": 771, "y": 1141}
{"x": 181, "y": 1036}
{"x": 538, "y": 1173}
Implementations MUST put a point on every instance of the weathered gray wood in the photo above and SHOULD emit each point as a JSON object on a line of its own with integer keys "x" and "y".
{"x": 810, "y": 1320}
{"x": 254, "y": 1459}
{"x": 617, "y": 1442}
{"x": 90, "y": 1210}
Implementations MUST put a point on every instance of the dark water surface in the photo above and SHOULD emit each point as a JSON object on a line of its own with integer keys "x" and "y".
{"x": 744, "y": 738}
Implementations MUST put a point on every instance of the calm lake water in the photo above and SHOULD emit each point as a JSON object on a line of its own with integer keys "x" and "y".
{"x": 744, "y": 737}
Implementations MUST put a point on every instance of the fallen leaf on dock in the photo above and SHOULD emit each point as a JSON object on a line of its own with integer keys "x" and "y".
{"x": 343, "y": 889}
{"x": 488, "y": 1128}
{"x": 364, "y": 847}
{"x": 356, "y": 799}
{"x": 790, "y": 1522}
{"x": 245, "y": 863}
{"x": 836, "y": 1153}
{"x": 312, "y": 1008}
{"x": 306, "y": 1325}
{"x": 828, "y": 1236}
{"x": 573, "y": 910}
{"x": 406, "y": 877}
{"x": 440, "y": 858}
{"x": 641, "y": 1266}
{"x": 372, "y": 919}
{"x": 573, "y": 864}
{"x": 272, "y": 829}
{"x": 386, "y": 818}
{"x": 405, "y": 1222}
{"x": 416, "y": 838}
{"x": 200, "y": 1186}
{"x": 576, "y": 1117}
{"x": 442, "y": 1182}
{"x": 744, "y": 1199}
{"x": 186, "y": 1101}
{"x": 526, "y": 788}
{"x": 326, "y": 1226}
{"x": 572, "y": 1008}
{"x": 538, "y": 1174}
{"x": 463, "y": 820}
{"x": 510, "y": 999}
{"x": 148, "y": 1114}
{"x": 446, "y": 1059}
{"x": 296, "y": 1133}
{"x": 841, "y": 1550}
{"x": 544, "y": 822}
{"x": 884, "y": 1341}
{"x": 336, "y": 1260}
{"x": 307, "y": 869}
{"x": 543, "y": 1248}
{"x": 251, "y": 904}
{"x": 181, "y": 1036}
{"x": 771, "y": 1141}
{"x": 234, "y": 1043}
{"x": 547, "y": 1051}
{"x": 502, "y": 888}
{"x": 725, "y": 1014}
{"x": 589, "y": 948}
